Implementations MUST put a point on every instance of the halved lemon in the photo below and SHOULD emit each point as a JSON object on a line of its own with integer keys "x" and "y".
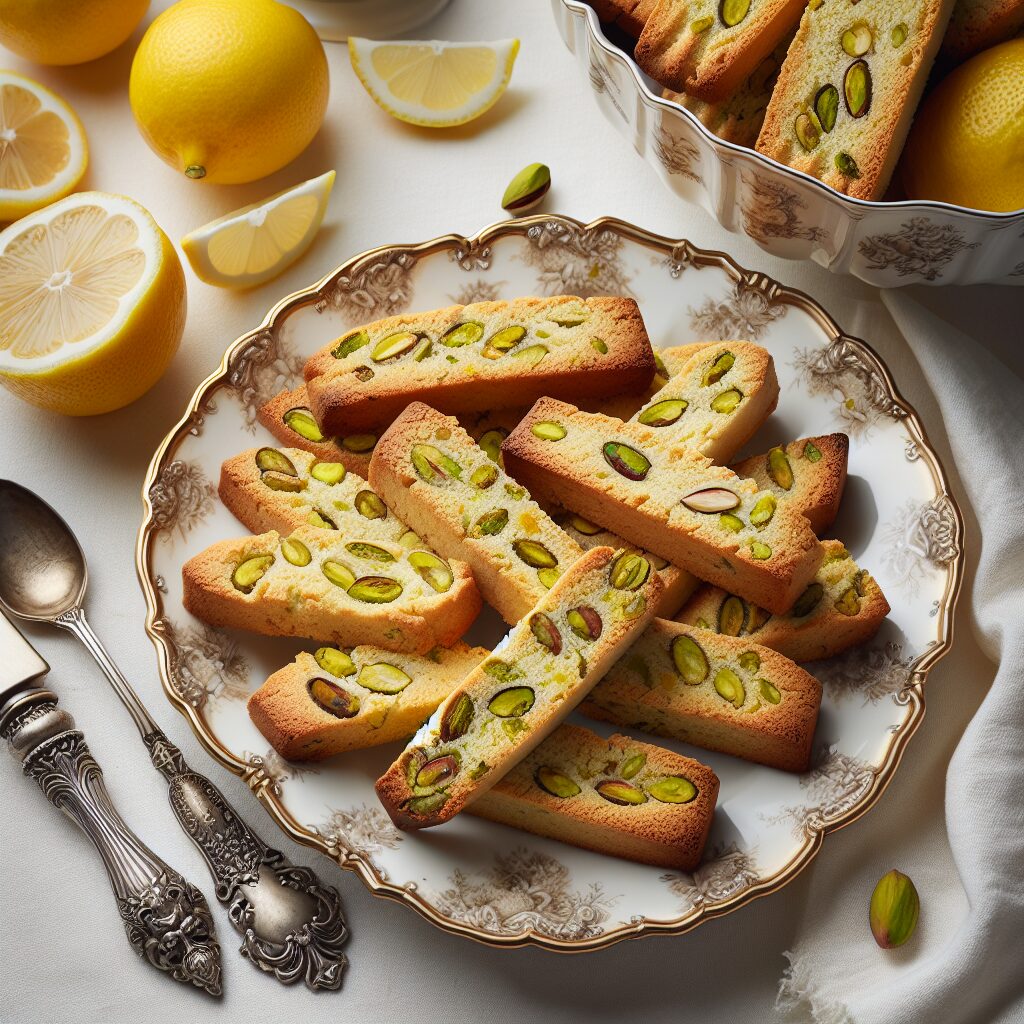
{"x": 92, "y": 304}
{"x": 43, "y": 152}
{"x": 257, "y": 242}
{"x": 434, "y": 83}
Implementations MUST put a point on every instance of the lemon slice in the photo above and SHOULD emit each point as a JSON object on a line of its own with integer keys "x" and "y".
{"x": 435, "y": 84}
{"x": 92, "y": 304}
{"x": 43, "y": 152}
{"x": 257, "y": 242}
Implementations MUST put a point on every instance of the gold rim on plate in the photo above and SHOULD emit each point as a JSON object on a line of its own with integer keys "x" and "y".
{"x": 461, "y": 248}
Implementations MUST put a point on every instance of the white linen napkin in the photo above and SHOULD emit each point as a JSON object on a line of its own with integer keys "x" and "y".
{"x": 965, "y": 962}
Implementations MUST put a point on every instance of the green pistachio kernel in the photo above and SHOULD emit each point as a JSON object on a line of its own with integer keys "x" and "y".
{"x": 717, "y": 369}
{"x": 811, "y": 452}
{"x": 699, "y": 25}
{"x": 370, "y": 505}
{"x": 328, "y": 472}
{"x": 690, "y": 660}
{"x": 531, "y": 355}
{"x": 599, "y": 346}
{"x": 394, "y": 345}
{"x": 359, "y": 444}
{"x": 807, "y": 601}
{"x": 295, "y": 551}
{"x": 727, "y": 401}
{"x": 769, "y": 692}
{"x": 383, "y": 678}
{"x": 857, "y": 88}
{"x": 503, "y": 341}
{"x": 548, "y": 577}
{"x": 629, "y": 571}
{"x": 432, "y": 570}
{"x": 463, "y": 334}
{"x": 555, "y": 783}
{"x": 730, "y": 522}
{"x": 338, "y": 663}
{"x": 546, "y": 430}
{"x": 375, "y": 590}
{"x": 274, "y": 461}
{"x": 732, "y": 12}
{"x": 616, "y": 791}
{"x": 632, "y": 765}
{"x": 514, "y": 702}
{"x": 673, "y": 789}
{"x": 732, "y": 615}
{"x": 763, "y": 510}
{"x": 338, "y": 573}
{"x": 847, "y": 165}
{"x": 729, "y": 687}
{"x": 302, "y": 422}
{"x": 349, "y": 344}
{"x": 664, "y": 413}
{"x": 826, "y": 106}
{"x": 750, "y": 661}
{"x": 490, "y": 524}
{"x": 899, "y": 34}
{"x": 332, "y": 698}
{"x": 249, "y": 572}
{"x": 759, "y": 550}
{"x": 628, "y": 462}
{"x": 534, "y": 554}
{"x": 490, "y": 441}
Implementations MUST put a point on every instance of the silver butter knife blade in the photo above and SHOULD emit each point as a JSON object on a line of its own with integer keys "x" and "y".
{"x": 21, "y": 667}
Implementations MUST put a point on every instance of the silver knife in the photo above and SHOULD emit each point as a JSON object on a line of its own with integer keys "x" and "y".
{"x": 166, "y": 918}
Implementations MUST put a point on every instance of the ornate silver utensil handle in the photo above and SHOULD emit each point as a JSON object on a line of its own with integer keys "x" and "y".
{"x": 167, "y": 919}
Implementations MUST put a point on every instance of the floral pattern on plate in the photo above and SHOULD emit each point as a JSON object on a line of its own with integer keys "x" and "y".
{"x": 483, "y": 880}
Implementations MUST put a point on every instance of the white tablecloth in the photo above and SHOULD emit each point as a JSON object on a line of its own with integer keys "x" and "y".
{"x": 62, "y": 947}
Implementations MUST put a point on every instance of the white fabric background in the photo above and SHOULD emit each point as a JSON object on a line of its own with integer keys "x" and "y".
{"x": 62, "y": 949}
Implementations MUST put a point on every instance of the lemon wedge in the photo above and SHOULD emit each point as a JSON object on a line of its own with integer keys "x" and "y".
{"x": 257, "y": 242}
{"x": 43, "y": 152}
{"x": 435, "y": 84}
{"x": 92, "y": 304}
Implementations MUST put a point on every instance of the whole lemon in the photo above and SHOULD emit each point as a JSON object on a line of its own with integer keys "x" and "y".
{"x": 967, "y": 144}
{"x": 63, "y": 32}
{"x": 229, "y": 90}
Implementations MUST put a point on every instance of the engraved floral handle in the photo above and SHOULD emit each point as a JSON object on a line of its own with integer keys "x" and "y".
{"x": 167, "y": 920}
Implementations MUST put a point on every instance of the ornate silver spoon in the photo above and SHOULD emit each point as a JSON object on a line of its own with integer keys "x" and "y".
{"x": 291, "y": 923}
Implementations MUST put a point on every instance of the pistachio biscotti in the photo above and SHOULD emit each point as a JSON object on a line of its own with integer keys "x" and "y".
{"x": 319, "y": 583}
{"x": 717, "y": 401}
{"x": 848, "y": 90}
{"x": 668, "y": 498}
{"x": 709, "y": 48}
{"x": 808, "y": 474}
{"x": 485, "y": 355}
{"x": 516, "y": 697}
{"x": 616, "y": 796}
{"x": 842, "y": 607}
{"x": 335, "y": 700}
{"x": 719, "y": 692}
{"x": 443, "y": 484}
{"x": 285, "y": 488}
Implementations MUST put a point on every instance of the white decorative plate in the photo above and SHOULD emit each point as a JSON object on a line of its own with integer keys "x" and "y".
{"x": 786, "y": 212}
{"x": 487, "y": 881}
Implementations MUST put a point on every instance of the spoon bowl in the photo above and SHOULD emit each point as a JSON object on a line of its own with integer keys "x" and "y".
{"x": 43, "y": 573}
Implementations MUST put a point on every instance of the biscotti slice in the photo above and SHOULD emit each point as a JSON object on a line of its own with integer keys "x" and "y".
{"x": 848, "y": 90}
{"x": 717, "y": 401}
{"x": 667, "y": 498}
{"x": 719, "y": 692}
{"x": 709, "y": 48}
{"x": 738, "y": 117}
{"x": 516, "y": 697}
{"x": 323, "y": 584}
{"x": 285, "y": 488}
{"x": 677, "y": 584}
{"x": 978, "y": 24}
{"x": 485, "y": 355}
{"x": 616, "y": 796}
{"x": 843, "y": 607}
{"x": 442, "y": 483}
{"x": 336, "y": 700}
{"x": 808, "y": 475}
{"x": 628, "y": 15}
{"x": 289, "y": 418}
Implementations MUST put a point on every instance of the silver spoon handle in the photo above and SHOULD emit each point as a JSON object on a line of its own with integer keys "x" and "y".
{"x": 291, "y": 923}
{"x": 167, "y": 920}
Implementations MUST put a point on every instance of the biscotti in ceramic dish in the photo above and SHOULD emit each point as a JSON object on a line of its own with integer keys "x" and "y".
{"x": 848, "y": 90}
{"x": 335, "y": 700}
{"x": 668, "y": 498}
{"x": 709, "y": 48}
{"x": 322, "y": 584}
{"x": 717, "y": 401}
{"x": 284, "y": 488}
{"x": 808, "y": 474}
{"x": 528, "y": 685}
{"x": 718, "y": 692}
{"x": 616, "y": 796}
{"x": 447, "y": 488}
{"x": 843, "y": 607}
{"x": 739, "y": 116}
{"x": 487, "y": 355}
{"x": 976, "y": 25}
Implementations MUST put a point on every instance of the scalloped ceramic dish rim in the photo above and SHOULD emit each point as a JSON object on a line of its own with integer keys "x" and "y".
{"x": 255, "y": 777}
{"x": 717, "y": 144}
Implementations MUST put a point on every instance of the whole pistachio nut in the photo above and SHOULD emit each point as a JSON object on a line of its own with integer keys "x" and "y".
{"x": 513, "y": 702}
{"x": 457, "y": 718}
{"x": 332, "y": 698}
{"x": 302, "y": 422}
{"x": 433, "y": 570}
{"x": 628, "y": 462}
{"x": 546, "y": 632}
{"x": 375, "y": 590}
{"x": 249, "y": 572}
{"x": 618, "y": 791}
{"x": 555, "y": 783}
{"x": 690, "y": 660}
{"x": 337, "y": 662}
{"x": 894, "y": 910}
{"x": 273, "y": 460}
{"x": 527, "y": 188}
{"x": 295, "y": 551}
{"x": 370, "y": 505}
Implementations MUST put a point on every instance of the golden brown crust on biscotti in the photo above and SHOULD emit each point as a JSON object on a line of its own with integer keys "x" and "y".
{"x": 848, "y": 90}
{"x": 975, "y": 25}
{"x": 717, "y": 401}
{"x": 616, "y": 796}
{"x": 318, "y": 583}
{"x": 842, "y": 608}
{"x": 485, "y": 355}
{"x": 518, "y": 695}
{"x": 669, "y": 499}
{"x": 628, "y": 15}
{"x": 285, "y": 488}
{"x": 719, "y": 692}
{"x": 464, "y": 506}
{"x": 325, "y": 703}
{"x": 808, "y": 474}
{"x": 688, "y": 46}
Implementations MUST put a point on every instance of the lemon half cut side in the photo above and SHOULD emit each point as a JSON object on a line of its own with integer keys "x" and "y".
{"x": 433, "y": 83}
{"x": 92, "y": 304}
{"x": 256, "y": 243}
{"x": 43, "y": 152}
